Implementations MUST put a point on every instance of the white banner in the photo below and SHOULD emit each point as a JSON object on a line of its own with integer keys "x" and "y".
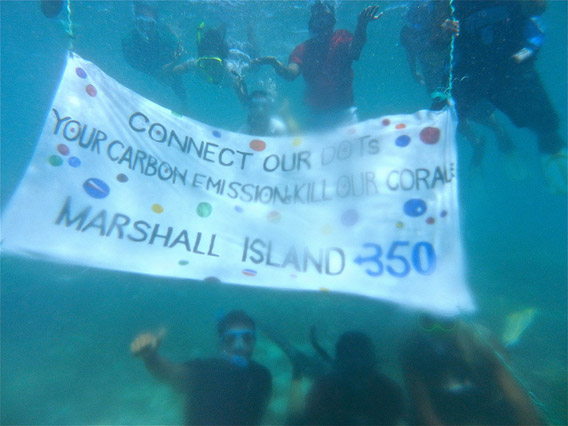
{"x": 121, "y": 183}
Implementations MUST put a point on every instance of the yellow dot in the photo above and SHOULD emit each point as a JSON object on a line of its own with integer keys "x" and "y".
{"x": 297, "y": 141}
{"x": 157, "y": 208}
{"x": 326, "y": 229}
{"x": 325, "y": 290}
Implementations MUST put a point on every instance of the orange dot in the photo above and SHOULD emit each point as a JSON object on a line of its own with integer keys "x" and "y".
{"x": 156, "y": 208}
{"x": 400, "y": 126}
{"x": 257, "y": 145}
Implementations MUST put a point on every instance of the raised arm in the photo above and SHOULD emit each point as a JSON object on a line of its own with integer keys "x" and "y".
{"x": 360, "y": 38}
{"x": 146, "y": 347}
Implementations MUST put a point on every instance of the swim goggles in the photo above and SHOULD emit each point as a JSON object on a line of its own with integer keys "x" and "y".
{"x": 211, "y": 68}
{"x": 230, "y": 337}
{"x": 430, "y": 324}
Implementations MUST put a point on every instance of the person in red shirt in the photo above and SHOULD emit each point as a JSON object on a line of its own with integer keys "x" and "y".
{"x": 325, "y": 62}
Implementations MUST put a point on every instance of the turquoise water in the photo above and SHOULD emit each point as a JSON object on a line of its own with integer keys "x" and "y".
{"x": 66, "y": 330}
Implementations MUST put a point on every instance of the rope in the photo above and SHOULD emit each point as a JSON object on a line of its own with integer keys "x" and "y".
{"x": 69, "y": 25}
{"x": 452, "y": 47}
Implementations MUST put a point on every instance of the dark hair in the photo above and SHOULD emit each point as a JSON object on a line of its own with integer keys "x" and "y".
{"x": 355, "y": 351}
{"x": 213, "y": 42}
{"x": 319, "y": 10}
{"x": 144, "y": 8}
{"x": 234, "y": 317}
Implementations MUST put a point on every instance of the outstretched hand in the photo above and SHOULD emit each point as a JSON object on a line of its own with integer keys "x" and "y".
{"x": 265, "y": 60}
{"x": 452, "y": 26}
{"x": 369, "y": 14}
{"x": 147, "y": 343}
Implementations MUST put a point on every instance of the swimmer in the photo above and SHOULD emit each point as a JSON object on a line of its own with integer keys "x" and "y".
{"x": 229, "y": 389}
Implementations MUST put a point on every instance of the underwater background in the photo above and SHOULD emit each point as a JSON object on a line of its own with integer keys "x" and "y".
{"x": 66, "y": 330}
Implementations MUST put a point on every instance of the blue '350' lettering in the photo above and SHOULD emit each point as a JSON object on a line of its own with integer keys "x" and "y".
{"x": 422, "y": 259}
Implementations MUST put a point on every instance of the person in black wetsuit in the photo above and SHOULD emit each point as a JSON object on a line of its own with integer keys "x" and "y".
{"x": 492, "y": 62}
{"x": 354, "y": 392}
{"x": 230, "y": 389}
{"x": 152, "y": 48}
{"x": 455, "y": 375}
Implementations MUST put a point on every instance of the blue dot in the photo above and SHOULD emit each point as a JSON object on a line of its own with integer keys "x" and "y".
{"x": 74, "y": 162}
{"x": 239, "y": 209}
{"x": 96, "y": 188}
{"x": 80, "y": 72}
{"x": 414, "y": 207}
{"x": 217, "y": 133}
{"x": 402, "y": 141}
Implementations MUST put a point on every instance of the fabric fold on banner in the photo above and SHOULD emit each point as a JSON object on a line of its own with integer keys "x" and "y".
{"x": 120, "y": 183}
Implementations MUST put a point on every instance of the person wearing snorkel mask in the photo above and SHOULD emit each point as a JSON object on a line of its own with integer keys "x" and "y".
{"x": 152, "y": 48}
{"x": 230, "y": 389}
{"x": 455, "y": 375}
{"x": 217, "y": 61}
{"x": 325, "y": 61}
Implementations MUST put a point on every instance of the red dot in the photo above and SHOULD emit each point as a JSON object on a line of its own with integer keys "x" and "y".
{"x": 430, "y": 135}
{"x": 63, "y": 149}
{"x": 91, "y": 91}
{"x": 400, "y": 126}
{"x": 386, "y": 122}
{"x": 430, "y": 221}
{"x": 257, "y": 145}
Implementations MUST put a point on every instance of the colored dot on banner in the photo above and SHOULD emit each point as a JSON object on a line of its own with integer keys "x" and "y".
{"x": 430, "y": 135}
{"x": 249, "y": 272}
{"x": 273, "y": 216}
{"x": 55, "y": 160}
{"x": 96, "y": 188}
{"x": 204, "y": 209}
{"x": 257, "y": 145}
{"x": 326, "y": 229}
{"x": 293, "y": 276}
{"x": 400, "y": 126}
{"x": 414, "y": 207}
{"x": 212, "y": 279}
{"x": 324, "y": 289}
{"x": 443, "y": 213}
{"x": 297, "y": 141}
{"x": 63, "y": 149}
{"x": 91, "y": 91}
{"x": 80, "y": 72}
{"x": 239, "y": 209}
{"x": 402, "y": 141}
{"x": 430, "y": 221}
{"x": 386, "y": 122}
{"x": 217, "y": 133}
{"x": 399, "y": 225}
{"x": 349, "y": 217}
{"x": 122, "y": 178}
{"x": 74, "y": 162}
{"x": 176, "y": 114}
{"x": 183, "y": 262}
{"x": 157, "y": 208}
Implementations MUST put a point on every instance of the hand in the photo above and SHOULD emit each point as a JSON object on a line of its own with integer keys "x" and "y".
{"x": 452, "y": 26}
{"x": 147, "y": 343}
{"x": 522, "y": 55}
{"x": 419, "y": 78}
{"x": 369, "y": 14}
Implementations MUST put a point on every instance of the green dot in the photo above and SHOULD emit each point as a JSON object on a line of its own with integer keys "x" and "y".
{"x": 204, "y": 209}
{"x": 183, "y": 262}
{"x": 55, "y": 160}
